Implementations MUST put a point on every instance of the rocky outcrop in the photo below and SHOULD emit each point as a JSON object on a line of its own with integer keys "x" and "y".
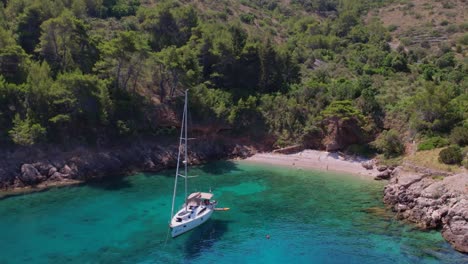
{"x": 342, "y": 132}
{"x": 27, "y": 167}
{"x": 368, "y": 165}
{"x": 432, "y": 202}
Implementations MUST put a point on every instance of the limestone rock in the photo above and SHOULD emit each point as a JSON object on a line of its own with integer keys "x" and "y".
{"x": 43, "y": 167}
{"x": 432, "y": 203}
{"x": 51, "y": 171}
{"x": 368, "y": 165}
{"x": 382, "y": 168}
{"x": 384, "y": 175}
{"x": 57, "y": 176}
{"x": 29, "y": 174}
{"x": 456, "y": 233}
{"x": 65, "y": 169}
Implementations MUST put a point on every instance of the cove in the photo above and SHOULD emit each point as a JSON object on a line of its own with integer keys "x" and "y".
{"x": 311, "y": 217}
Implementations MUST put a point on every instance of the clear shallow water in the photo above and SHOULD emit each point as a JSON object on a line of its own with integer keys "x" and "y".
{"x": 312, "y": 217}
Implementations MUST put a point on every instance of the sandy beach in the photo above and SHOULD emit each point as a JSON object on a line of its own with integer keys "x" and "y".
{"x": 317, "y": 160}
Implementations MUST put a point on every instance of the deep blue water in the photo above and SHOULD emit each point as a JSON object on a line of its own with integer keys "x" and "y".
{"x": 311, "y": 217}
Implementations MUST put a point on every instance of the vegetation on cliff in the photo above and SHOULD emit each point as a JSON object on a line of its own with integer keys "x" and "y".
{"x": 94, "y": 70}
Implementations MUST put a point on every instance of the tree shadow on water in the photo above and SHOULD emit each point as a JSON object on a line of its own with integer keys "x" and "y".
{"x": 204, "y": 237}
{"x": 113, "y": 184}
{"x": 219, "y": 167}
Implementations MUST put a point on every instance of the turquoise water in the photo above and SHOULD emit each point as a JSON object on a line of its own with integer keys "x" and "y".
{"x": 311, "y": 217}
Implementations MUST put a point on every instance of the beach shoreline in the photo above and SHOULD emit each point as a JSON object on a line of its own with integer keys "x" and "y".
{"x": 316, "y": 160}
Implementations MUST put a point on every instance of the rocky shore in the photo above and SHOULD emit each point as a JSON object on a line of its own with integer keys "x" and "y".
{"x": 38, "y": 168}
{"x": 432, "y": 200}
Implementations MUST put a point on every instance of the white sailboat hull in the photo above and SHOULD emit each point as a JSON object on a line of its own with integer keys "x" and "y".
{"x": 179, "y": 228}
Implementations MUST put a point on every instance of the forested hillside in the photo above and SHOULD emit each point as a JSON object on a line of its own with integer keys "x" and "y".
{"x": 297, "y": 71}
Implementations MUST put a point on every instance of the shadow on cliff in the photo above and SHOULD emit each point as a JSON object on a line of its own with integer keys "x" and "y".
{"x": 204, "y": 237}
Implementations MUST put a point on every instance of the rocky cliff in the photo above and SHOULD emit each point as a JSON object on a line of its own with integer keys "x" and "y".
{"x": 432, "y": 200}
{"x": 39, "y": 166}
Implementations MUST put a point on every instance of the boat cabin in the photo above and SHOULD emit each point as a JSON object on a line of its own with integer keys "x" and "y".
{"x": 198, "y": 198}
{"x": 195, "y": 205}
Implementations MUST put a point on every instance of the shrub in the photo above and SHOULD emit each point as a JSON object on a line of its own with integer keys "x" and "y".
{"x": 459, "y": 135}
{"x": 463, "y": 39}
{"x": 247, "y": 18}
{"x": 432, "y": 143}
{"x": 452, "y": 28}
{"x": 389, "y": 143}
{"x": 451, "y": 155}
{"x": 392, "y": 27}
{"x": 465, "y": 163}
{"x": 25, "y": 132}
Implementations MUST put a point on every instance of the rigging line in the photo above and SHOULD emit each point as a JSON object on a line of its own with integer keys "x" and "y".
{"x": 167, "y": 237}
{"x": 185, "y": 143}
{"x": 178, "y": 162}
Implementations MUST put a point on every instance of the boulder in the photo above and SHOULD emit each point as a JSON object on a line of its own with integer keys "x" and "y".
{"x": 43, "y": 167}
{"x": 384, "y": 175}
{"x": 29, "y": 174}
{"x": 456, "y": 233}
{"x": 65, "y": 169}
{"x": 57, "y": 176}
{"x": 51, "y": 171}
{"x": 382, "y": 168}
{"x": 368, "y": 165}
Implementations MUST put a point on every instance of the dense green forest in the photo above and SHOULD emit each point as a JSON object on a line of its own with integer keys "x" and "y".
{"x": 91, "y": 70}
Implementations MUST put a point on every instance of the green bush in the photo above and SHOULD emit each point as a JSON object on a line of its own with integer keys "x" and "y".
{"x": 459, "y": 135}
{"x": 451, "y": 155}
{"x": 465, "y": 163}
{"x": 247, "y": 18}
{"x": 432, "y": 143}
{"x": 389, "y": 143}
{"x": 463, "y": 39}
{"x": 392, "y": 27}
{"x": 25, "y": 132}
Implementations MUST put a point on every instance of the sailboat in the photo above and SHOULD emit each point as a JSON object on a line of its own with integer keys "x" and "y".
{"x": 198, "y": 206}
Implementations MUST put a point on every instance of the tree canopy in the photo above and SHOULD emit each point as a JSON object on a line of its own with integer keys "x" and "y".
{"x": 88, "y": 70}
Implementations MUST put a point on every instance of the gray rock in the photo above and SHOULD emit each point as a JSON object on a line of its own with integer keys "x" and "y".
{"x": 368, "y": 165}
{"x": 382, "y": 168}
{"x": 57, "y": 176}
{"x": 456, "y": 233}
{"x": 432, "y": 203}
{"x": 43, "y": 167}
{"x": 51, "y": 171}
{"x": 29, "y": 174}
{"x": 384, "y": 175}
{"x": 65, "y": 170}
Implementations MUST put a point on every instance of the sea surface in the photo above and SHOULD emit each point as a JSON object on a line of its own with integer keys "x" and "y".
{"x": 309, "y": 216}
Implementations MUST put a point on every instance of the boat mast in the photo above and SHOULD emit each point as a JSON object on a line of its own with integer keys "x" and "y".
{"x": 183, "y": 126}
{"x": 186, "y": 143}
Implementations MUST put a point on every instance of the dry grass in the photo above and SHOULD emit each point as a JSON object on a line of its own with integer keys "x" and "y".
{"x": 430, "y": 21}
{"x": 430, "y": 159}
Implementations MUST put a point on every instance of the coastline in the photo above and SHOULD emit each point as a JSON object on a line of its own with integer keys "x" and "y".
{"x": 44, "y": 186}
{"x": 316, "y": 160}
